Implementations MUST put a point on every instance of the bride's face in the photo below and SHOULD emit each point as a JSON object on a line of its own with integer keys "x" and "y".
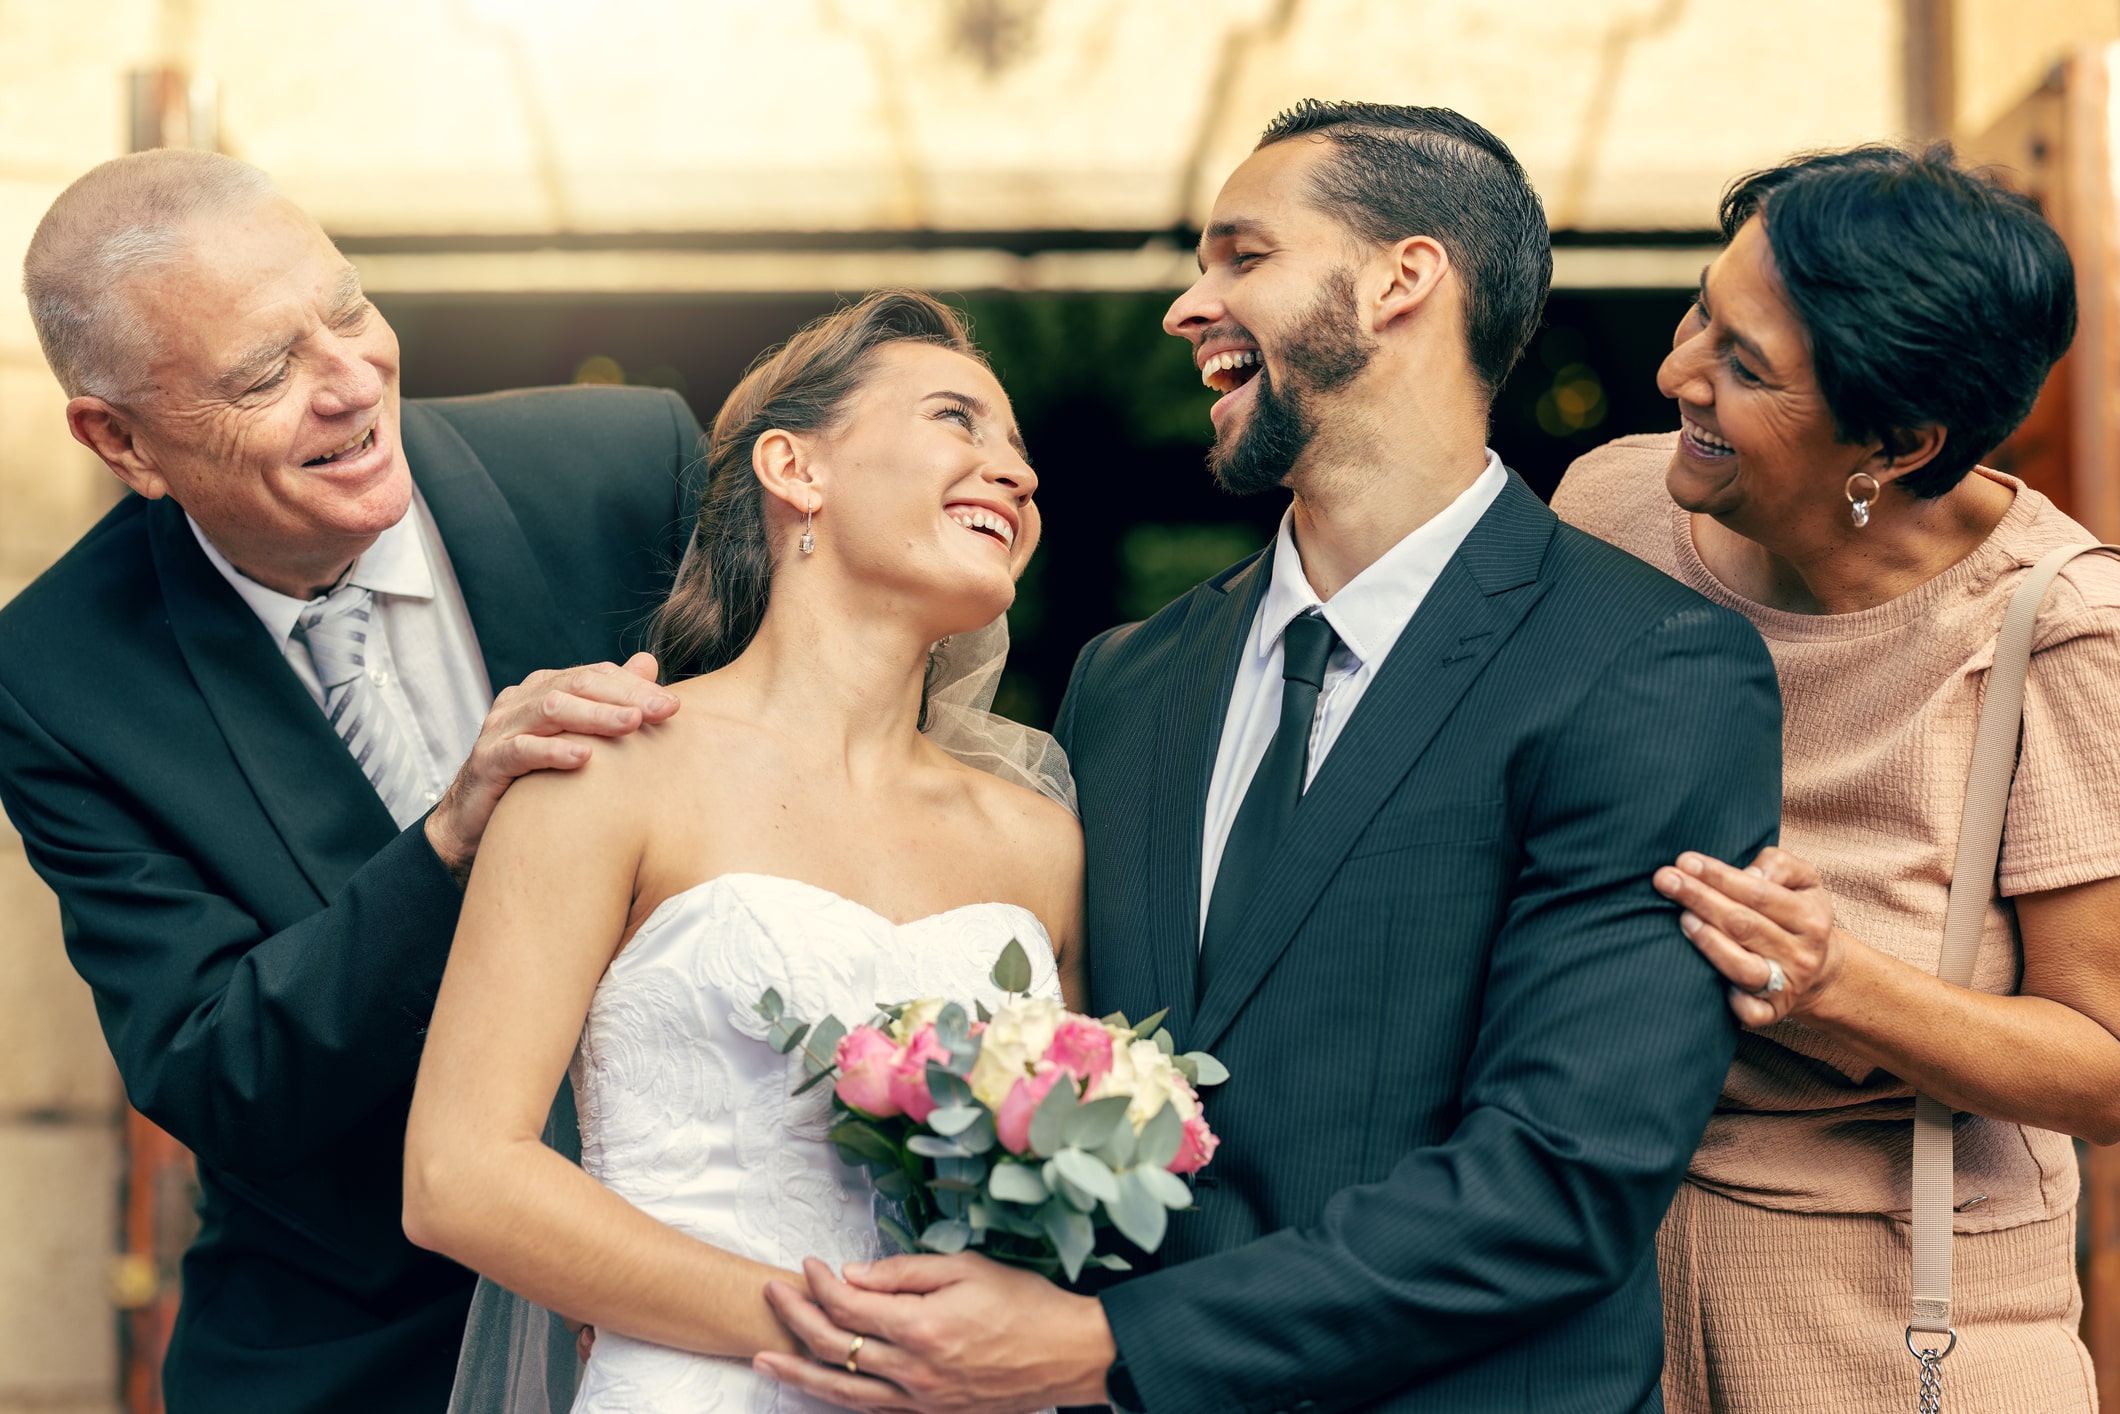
{"x": 925, "y": 491}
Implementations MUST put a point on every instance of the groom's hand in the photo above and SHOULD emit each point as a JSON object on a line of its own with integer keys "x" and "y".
{"x": 941, "y": 1335}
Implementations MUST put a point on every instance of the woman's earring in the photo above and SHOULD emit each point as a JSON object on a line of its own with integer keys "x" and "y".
{"x": 809, "y": 541}
{"x": 1862, "y": 492}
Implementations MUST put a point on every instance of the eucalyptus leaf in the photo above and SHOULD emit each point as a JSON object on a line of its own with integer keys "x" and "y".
{"x": 1050, "y": 1118}
{"x": 1211, "y": 1071}
{"x": 980, "y": 1137}
{"x": 952, "y": 1027}
{"x": 1165, "y": 1042}
{"x": 1160, "y": 1139}
{"x": 1012, "y": 973}
{"x": 769, "y": 1005}
{"x": 786, "y": 1034}
{"x": 1186, "y": 1067}
{"x": 816, "y": 1080}
{"x": 1073, "y": 1236}
{"x": 864, "y": 1139}
{"x": 952, "y": 1120}
{"x": 894, "y": 1184}
{"x": 896, "y": 1231}
{"x": 1118, "y": 1019}
{"x": 947, "y": 1090}
{"x": 1138, "y": 1213}
{"x": 979, "y": 1010}
{"x": 1113, "y": 1262}
{"x": 825, "y": 1037}
{"x": 1017, "y": 1183}
{"x": 1147, "y": 1025}
{"x": 947, "y": 1237}
{"x": 1091, "y": 1124}
{"x": 1118, "y": 1151}
{"x": 1168, "y": 1188}
{"x": 928, "y": 1146}
{"x": 1087, "y": 1173}
{"x": 958, "y": 1185}
{"x": 972, "y": 1171}
{"x": 1075, "y": 1195}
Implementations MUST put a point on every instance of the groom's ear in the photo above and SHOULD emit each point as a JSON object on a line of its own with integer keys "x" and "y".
{"x": 1410, "y": 275}
{"x": 782, "y": 464}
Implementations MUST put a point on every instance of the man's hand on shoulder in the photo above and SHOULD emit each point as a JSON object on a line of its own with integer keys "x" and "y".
{"x": 547, "y": 722}
{"x": 941, "y": 1335}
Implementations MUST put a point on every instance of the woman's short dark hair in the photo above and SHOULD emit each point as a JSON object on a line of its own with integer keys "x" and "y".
{"x": 805, "y": 385}
{"x": 1401, "y": 171}
{"x": 1932, "y": 296}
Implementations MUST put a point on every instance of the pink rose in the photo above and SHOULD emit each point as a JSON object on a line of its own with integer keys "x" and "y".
{"x": 1196, "y": 1148}
{"x": 1013, "y": 1123}
{"x": 909, "y": 1085}
{"x": 1081, "y": 1047}
{"x": 865, "y": 1058}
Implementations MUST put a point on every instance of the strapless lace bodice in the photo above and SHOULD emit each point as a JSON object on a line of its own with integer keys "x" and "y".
{"x": 689, "y": 1114}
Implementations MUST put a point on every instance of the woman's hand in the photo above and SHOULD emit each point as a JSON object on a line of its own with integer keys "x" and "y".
{"x": 1747, "y": 922}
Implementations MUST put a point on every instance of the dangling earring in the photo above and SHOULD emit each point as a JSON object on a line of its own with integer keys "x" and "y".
{"x": 1860, "y": 497}
{"x": 809, "y": 541}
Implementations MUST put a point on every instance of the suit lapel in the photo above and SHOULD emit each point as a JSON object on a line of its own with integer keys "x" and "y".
{"x": 1479, "y": 599}
{"x": 302, "y": 774}
{"x": 518, "y": 622}
{"x": 1213, "y": 640}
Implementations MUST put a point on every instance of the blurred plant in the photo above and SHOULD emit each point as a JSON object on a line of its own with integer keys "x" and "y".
{"x": 1160, "y": 562}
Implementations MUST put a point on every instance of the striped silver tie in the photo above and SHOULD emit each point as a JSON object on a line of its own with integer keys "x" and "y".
{"x": 335, "y": 630}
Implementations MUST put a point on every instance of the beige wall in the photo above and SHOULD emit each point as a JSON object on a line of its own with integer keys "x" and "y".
{"x": 59, "y": 1097}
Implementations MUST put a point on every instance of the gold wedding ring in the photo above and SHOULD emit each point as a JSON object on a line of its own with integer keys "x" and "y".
{"x": 854, "y": 1355}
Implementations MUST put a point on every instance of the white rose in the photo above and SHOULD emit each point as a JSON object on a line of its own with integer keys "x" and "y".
{"x": 916, "y": 1015}
{"x": 1017, "y": 1038}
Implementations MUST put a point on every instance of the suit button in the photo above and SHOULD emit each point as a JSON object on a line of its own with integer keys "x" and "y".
{"x": 378, "y": 676}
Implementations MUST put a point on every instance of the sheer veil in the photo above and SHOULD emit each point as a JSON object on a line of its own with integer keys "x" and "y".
{"x": 517, "y": 1357}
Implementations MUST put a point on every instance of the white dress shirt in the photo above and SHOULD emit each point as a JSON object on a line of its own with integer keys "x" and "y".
{"x": 1368, "y": 614}
{"x": 422, "y": 651}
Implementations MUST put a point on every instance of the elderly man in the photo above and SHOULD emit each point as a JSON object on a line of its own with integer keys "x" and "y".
{"x": 248, "y": 731}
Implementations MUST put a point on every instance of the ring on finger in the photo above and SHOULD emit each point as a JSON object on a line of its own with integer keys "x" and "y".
{"x": 854, "y": 1354}
{"x": 1777, "y": 980}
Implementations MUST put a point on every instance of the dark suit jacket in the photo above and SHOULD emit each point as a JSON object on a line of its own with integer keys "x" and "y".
{"x": 1471, "y": 1051}
{"x": 264, "y": 943}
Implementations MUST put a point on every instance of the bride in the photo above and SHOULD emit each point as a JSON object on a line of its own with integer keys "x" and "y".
{"x": 866, "y": 496}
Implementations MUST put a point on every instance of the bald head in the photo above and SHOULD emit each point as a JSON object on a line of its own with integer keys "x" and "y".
{"x": 126, "y": 217}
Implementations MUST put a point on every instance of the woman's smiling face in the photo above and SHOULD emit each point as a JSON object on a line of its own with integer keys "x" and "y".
{"x": 1758, "y": 447}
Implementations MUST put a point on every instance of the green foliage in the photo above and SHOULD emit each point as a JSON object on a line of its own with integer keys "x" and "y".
{"x": 1012, "y": 971}
{"x": 1160, "y": 562}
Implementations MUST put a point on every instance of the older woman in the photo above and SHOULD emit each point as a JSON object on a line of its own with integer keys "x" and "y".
{"x": 1878, "y": 321}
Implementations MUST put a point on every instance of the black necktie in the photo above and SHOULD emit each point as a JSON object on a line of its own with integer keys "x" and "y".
{"x": 1306, "y": 644}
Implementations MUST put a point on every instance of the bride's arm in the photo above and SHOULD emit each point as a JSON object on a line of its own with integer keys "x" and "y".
{"x": 543, "y": 915}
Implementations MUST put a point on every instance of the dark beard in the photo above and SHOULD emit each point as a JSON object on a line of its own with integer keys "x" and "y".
{"x": 1322, "y": 353}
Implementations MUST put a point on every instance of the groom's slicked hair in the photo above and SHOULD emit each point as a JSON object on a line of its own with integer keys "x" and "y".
{"x": 719, "y": 598}
{"x": 1401, "y": 171}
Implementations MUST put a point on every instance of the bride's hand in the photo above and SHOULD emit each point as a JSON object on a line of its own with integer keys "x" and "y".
{"x": 940, "y": 1335}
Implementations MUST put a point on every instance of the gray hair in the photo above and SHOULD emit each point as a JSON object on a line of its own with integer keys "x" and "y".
{"x": 127, "y": 216}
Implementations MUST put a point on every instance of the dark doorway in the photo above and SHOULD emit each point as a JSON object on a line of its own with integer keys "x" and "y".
{"x": 1112, "y": 408}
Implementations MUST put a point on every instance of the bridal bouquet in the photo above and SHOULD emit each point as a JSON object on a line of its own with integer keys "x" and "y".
{"x": 1019, "y": 1132}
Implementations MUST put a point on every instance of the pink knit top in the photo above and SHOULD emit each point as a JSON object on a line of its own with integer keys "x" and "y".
{"x": 1880, "y": 709}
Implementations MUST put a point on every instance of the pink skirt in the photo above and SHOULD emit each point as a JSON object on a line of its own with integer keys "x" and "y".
{"x": 1771, "y": 1312}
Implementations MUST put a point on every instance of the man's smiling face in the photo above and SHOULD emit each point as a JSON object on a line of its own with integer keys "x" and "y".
{"x": 272, "y": 410}
{"x": 1272, "y": 318}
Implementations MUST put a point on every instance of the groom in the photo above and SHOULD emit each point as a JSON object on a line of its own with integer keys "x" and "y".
{"x": 1375, "y": 813}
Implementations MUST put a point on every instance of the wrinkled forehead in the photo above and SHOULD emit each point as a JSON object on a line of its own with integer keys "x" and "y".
{"x": 240, "y": 276}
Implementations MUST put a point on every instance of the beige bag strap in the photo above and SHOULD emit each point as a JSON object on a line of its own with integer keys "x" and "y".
{"x": 1987, "y": 798}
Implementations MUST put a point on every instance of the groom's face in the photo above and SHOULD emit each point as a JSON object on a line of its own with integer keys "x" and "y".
{"x": 1273, "y": 318}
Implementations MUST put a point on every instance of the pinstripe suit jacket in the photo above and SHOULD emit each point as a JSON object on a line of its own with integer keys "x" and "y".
{"x": 1471, "y": 1051}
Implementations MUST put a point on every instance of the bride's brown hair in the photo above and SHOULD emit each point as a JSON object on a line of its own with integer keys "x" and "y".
{"x": 719, "y": 597}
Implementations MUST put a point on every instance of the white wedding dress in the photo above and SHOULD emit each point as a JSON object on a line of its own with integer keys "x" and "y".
{"x": 687, "y": 1113}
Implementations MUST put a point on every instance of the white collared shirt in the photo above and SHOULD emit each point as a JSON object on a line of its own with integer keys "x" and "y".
{"x": 422, "y": 651}
{"x": 1369, "y": 613}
